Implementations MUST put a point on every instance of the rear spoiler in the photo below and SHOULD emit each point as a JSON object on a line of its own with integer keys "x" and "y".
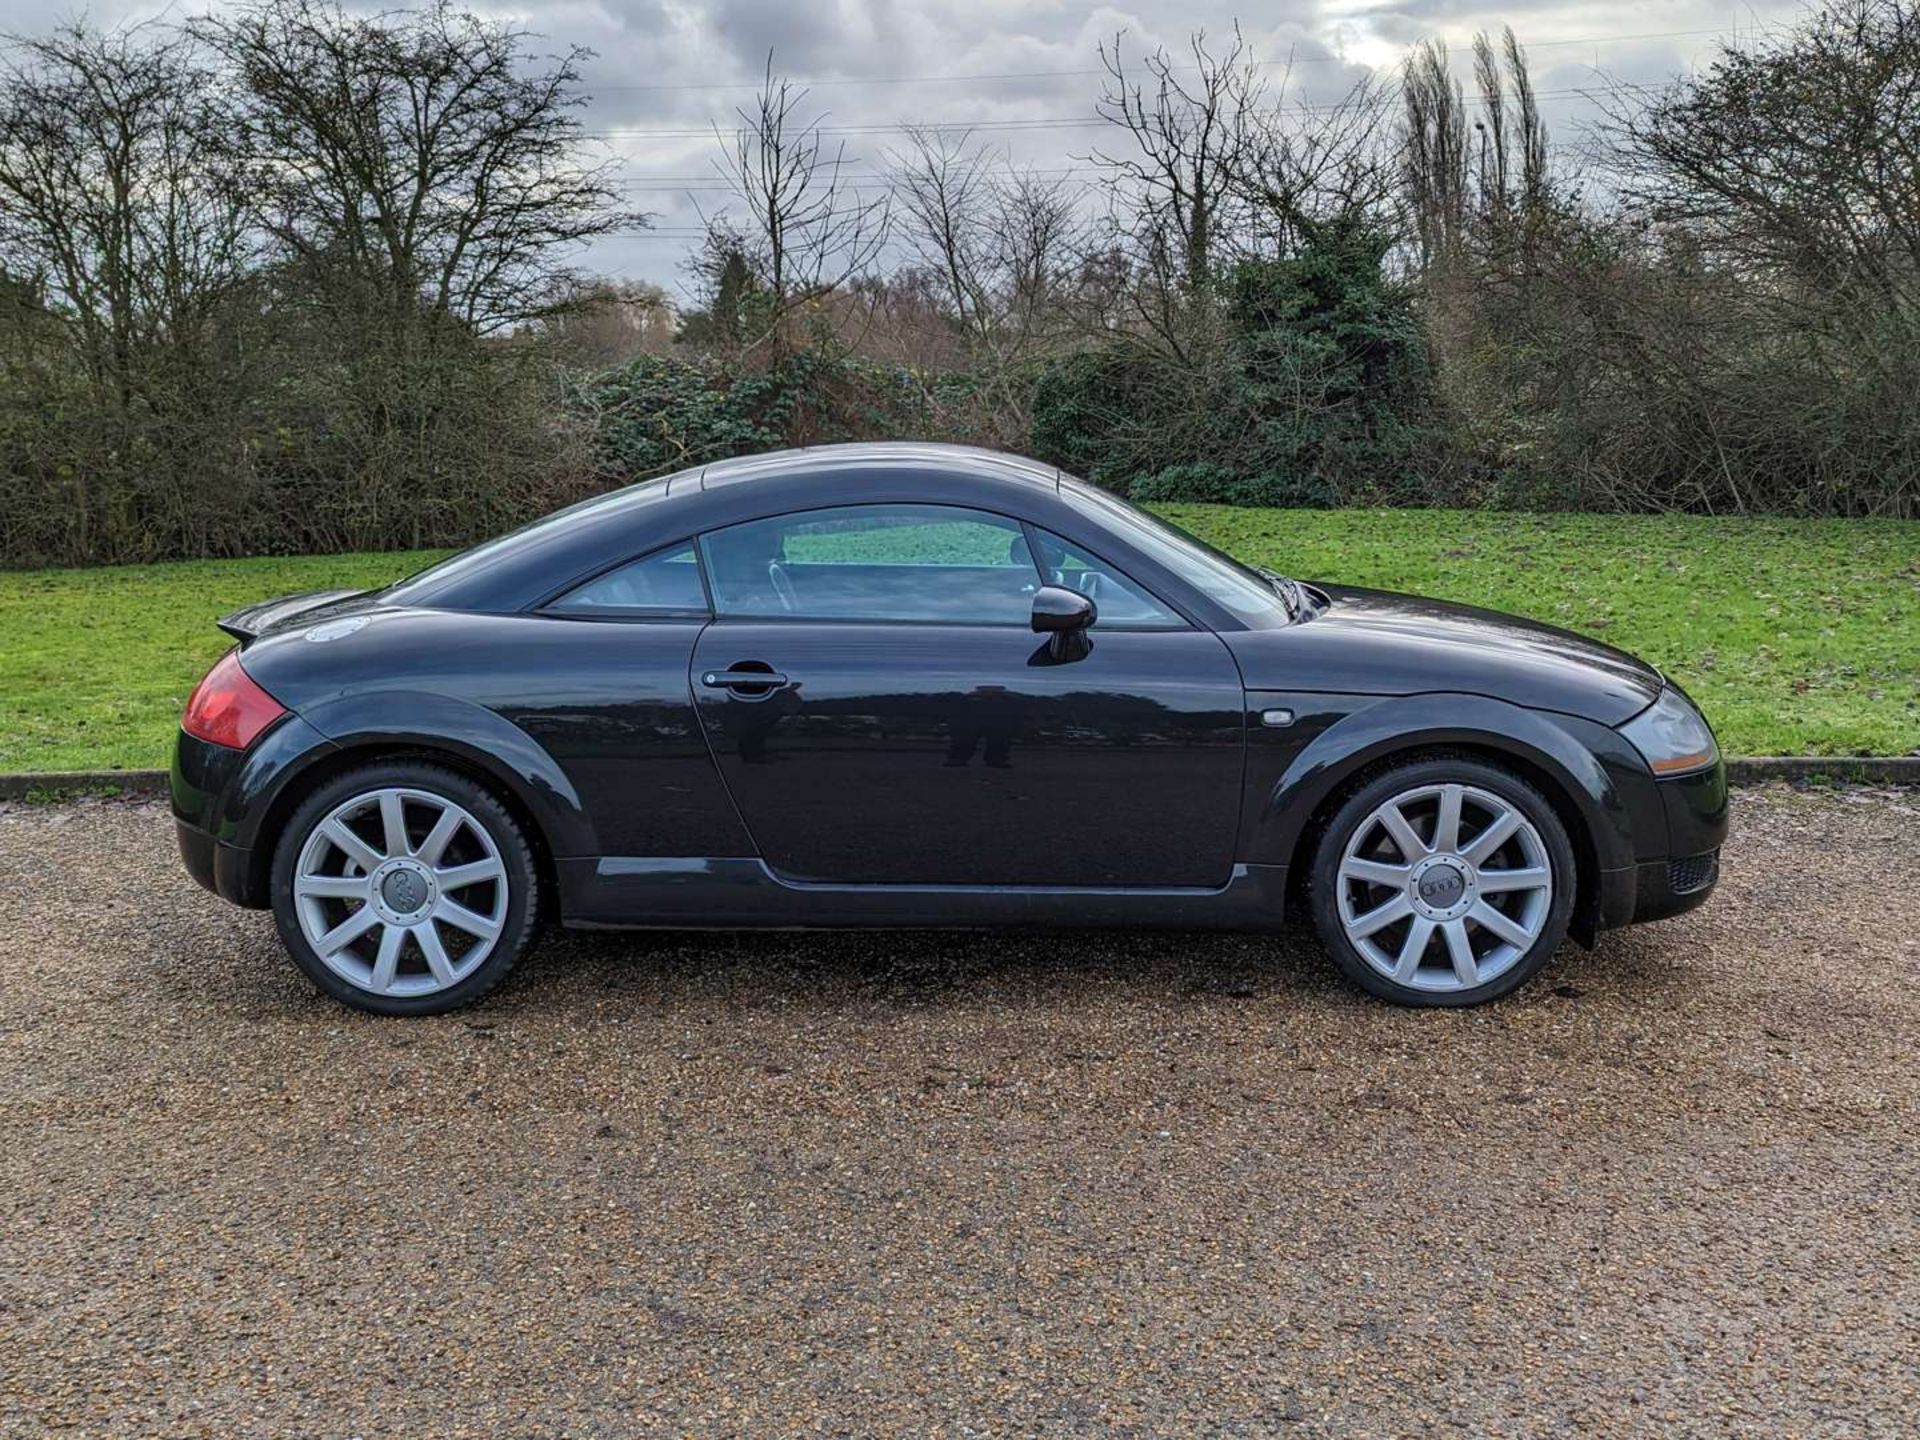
{"x": 251, "y": 620}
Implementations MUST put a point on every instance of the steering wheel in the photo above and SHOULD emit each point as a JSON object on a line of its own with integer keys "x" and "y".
{"x": 782, "y": 586}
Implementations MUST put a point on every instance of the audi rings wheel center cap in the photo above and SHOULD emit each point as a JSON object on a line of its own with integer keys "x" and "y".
{"x": 1441, "y": 887}
{"x": 403, "y": 891}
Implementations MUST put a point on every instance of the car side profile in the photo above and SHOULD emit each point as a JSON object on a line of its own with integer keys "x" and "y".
{"x": 919, "y": 685}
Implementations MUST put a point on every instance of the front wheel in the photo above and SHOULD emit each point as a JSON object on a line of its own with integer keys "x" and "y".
{"x": 1443, "y": 882}
{"x": 404, "y": 889}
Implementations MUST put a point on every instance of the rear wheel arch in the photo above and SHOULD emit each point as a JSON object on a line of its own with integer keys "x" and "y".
{"x": 355, "y": 756}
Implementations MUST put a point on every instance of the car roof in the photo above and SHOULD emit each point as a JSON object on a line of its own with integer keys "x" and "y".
{"x": 880, "y": 454}
{"x": 516, "y": 569}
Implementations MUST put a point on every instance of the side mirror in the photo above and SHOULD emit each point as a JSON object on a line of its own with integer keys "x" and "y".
{"x": 1063, "y": 616}
{"x": 1058, "y": 610}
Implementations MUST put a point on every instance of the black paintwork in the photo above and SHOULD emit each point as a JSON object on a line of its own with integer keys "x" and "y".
{"x": 1372, "y": 642}
{"x": 974, "y": 758}
{"x": 687, "y": 770}
{"x": 1057, "y": 610}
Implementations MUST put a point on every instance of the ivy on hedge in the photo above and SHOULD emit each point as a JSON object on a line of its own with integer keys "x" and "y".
{"x": 1302, "y": 381}
{"x": 659, "y": 413}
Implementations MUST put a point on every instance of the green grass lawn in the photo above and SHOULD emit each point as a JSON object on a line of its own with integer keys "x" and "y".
{"x": 1798, "y": 637}
{"x": 96, "y": 665}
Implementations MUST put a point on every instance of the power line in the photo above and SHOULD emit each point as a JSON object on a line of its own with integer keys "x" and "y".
{"x": 1081, "y": 74}
{"x": 1051, "y": 172}
{"x": 1047, "y": 122}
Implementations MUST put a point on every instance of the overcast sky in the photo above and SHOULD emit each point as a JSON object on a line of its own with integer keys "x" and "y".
{"x": 666, "y": 71}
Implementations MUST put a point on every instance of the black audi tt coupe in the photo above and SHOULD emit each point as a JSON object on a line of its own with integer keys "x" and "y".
{"x": 917, "y": 685}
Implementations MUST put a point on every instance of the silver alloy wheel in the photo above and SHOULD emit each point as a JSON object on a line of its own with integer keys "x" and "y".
{"x": 400, "y": 892}
{"x": 1444, "y": 887}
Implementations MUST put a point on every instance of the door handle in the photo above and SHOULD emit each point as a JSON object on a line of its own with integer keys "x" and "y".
{"x": 749, "y": 681}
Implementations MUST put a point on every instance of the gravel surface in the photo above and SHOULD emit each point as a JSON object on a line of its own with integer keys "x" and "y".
{"x": 962, "y": 1184}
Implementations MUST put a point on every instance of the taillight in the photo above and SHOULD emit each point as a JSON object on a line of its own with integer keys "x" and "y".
{"x": 228, "y": 708}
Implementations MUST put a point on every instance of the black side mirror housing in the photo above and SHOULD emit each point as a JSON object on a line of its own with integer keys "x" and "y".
{"x": 1063, "y": 616}
{"x": 1058, "y": 610}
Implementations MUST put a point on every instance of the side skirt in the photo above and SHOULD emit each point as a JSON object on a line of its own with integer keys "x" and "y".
{"x": 695, "y": 892}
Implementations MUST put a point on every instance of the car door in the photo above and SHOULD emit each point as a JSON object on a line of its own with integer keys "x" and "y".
{"x": 912, "y": 729}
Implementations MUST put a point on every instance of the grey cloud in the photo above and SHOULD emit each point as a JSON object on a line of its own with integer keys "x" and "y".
{"x": 685, "y": 65}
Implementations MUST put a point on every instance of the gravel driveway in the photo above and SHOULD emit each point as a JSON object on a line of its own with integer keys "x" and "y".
{"x": 964, "y": 1185}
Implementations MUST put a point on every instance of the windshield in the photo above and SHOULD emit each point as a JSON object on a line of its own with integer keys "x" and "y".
{"x": 1257, "y": 598}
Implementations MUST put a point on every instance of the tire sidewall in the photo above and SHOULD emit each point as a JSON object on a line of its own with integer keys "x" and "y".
{"x": 1323, "y": 886}
{"x": 515, "y": 853}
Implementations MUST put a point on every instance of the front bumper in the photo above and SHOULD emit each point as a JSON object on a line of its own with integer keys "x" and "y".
{"x": 1681, "y": 875}
{"x": 1664, "y": 888}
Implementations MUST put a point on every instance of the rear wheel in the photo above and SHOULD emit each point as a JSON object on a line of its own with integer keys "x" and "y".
{"x": 404, "y": 889}
{"x": 1443, "y": 882}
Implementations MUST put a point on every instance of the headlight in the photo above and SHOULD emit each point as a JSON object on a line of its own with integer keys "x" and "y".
{"x": 1672, "y": 735}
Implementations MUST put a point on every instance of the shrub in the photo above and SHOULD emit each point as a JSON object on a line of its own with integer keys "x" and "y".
{"x": 656, "y": 414}
{"x": 1205, "y": 483}
{"x": 660, "y": 413}
{"x": 1302, "y": 382}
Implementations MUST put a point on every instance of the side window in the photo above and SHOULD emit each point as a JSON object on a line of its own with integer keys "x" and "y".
{"x": 1120, "y": 601}
{"x": 875, "y": 562}
{"x": 666, "y": 582}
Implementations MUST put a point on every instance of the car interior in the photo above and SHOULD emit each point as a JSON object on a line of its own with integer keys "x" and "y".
{"x": 890, "y": 563}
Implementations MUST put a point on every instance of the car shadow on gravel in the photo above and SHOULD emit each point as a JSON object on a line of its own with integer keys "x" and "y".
{"x": 212, "y": 957}
{"x": 927, "y": 966}
{"x": 241, "y": 966}
{"x": 1054, "y": 969}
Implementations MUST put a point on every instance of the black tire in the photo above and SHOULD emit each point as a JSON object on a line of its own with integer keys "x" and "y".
{"x": 1323, "y": 882}
{"x": 516, "y": 855}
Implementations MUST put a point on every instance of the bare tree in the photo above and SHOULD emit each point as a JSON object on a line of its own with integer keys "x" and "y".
{"x": 1459, "y": 188}
{"x": 808, "y": 229}
{"x": 416, "y": 154}
{"x": 946, "y": 198}
{"x": 1190, "y": 139}
{"x": 1434, "y": 152}
{"x": 1039, "y": 244}
{"x": 1534, "y": 197}
{"x": 1002, "y": 241}
{"x": 1491, "y": 128}
{"x": 1307, "y": 168}
{"x": 1511, "y": 176}
{"x": 997, "y": 249}
{"x": 120, "y": 196}
{"x": 1796, "y": 158}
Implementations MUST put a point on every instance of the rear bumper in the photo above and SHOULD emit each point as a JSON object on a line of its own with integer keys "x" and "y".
{"x": 226, "y": 870}
{"x": 223, "y": 804}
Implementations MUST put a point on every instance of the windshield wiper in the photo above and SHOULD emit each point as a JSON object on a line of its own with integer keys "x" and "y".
{"x": 1286, "y": 588}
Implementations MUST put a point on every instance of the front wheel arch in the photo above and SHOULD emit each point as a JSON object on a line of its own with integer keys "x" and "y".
{"x": 1545, "y": 750}
{"x": 1586, "y": 904}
